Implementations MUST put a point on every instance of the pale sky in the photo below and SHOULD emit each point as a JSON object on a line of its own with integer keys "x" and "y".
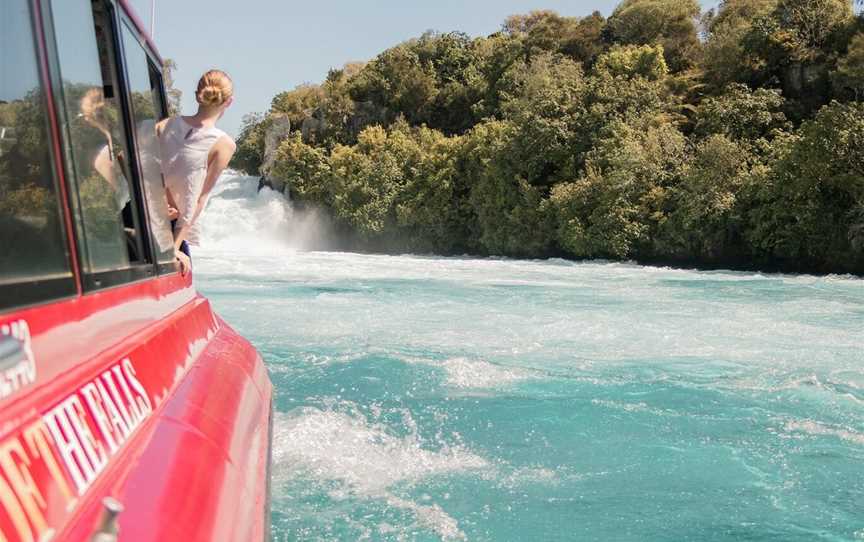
{"x": 268, "y": 46}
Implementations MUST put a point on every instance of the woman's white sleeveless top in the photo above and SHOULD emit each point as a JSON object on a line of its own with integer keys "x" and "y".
{"x": 184, "y": 150}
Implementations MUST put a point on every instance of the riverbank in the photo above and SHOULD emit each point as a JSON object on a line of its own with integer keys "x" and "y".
{"x": 332, "y": 238}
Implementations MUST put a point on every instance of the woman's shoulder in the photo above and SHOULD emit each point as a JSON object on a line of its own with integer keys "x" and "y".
{"x": 224, "y": 139}
{"x": 226, "y": 144}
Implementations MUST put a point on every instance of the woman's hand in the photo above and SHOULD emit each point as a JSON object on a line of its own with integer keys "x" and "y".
{"x": 173, "y": 213}
{"x": 183, "y": 261}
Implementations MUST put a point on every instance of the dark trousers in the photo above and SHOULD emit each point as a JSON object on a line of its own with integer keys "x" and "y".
{"x": 184, "y": 246}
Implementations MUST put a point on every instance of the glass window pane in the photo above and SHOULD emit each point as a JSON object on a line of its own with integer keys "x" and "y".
{"x": 96, "y": 142}
{"x": 31, "y": 229}
{"x": 147, "y": 109}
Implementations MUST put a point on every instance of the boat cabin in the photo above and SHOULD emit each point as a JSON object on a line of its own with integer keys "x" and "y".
{"x": 128, "y": 408}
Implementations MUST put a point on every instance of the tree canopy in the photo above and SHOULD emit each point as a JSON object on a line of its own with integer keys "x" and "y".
{"x": 732, "y": 137}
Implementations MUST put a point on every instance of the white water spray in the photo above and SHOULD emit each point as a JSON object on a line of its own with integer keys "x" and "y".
{"x": 241, "y": 218}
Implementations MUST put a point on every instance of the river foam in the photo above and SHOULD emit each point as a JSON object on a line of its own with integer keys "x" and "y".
{"x": 343, "y": 445}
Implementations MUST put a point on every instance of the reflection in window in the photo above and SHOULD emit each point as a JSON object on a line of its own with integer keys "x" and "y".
{"x": 32, "y": 243}
{"x": 147, "y": 109}
{"x": 96, "y": 144}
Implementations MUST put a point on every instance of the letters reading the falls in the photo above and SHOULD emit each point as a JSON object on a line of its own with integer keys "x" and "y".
{"x": 116, "y": 404}
{"x": 64, "y": 450}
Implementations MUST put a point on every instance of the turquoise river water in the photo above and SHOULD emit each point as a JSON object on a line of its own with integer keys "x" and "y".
{"x": 425, "y": 398}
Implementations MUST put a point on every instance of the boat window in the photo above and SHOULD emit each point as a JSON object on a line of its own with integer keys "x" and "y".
{"x": 106, "y": 201}
{"x": 145, "y": 84}
{"x": 34, "y": 259}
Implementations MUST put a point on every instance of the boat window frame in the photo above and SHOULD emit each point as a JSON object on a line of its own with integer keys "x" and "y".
{"x": 136, "y": 271}
{"x": 33, "y": 291}
{"x": 163, "y": 268}
{"x": 126, "y": 23}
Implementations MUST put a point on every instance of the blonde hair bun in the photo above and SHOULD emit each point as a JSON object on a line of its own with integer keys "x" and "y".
{"x": 214, "y": 88}
{"x": 210, "y": 95}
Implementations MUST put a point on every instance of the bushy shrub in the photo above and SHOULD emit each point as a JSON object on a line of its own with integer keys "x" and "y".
{"x": 510, "y": 217}
{"x": 742, "y": 114}
{"x": 810, "y": 205}
{"x": 711, "y": 202}
{"x": 618, "y": 207}
{"x": 670, "y": 23}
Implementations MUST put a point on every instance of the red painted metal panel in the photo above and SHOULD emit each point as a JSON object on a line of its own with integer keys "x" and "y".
{"x": 193, "y": 466}
{"x": 139, "y": 25}
{"x": 200, "y": 475}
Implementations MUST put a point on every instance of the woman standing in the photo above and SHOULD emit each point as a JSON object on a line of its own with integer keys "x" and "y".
{"x": 194, "y": 153}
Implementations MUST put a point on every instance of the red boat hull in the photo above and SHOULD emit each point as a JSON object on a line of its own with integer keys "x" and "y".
{"x": 170, "y": 416}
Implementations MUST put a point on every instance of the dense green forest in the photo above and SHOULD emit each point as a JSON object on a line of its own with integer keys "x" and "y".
{"x": 661, "y": 134}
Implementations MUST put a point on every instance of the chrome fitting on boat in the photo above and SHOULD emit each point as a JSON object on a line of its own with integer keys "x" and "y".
{"x": 108, "y": 524}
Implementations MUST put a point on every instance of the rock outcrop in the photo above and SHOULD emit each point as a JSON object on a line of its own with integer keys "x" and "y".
{"x": 314, "y": 129}
{"x": 279, "y": 129}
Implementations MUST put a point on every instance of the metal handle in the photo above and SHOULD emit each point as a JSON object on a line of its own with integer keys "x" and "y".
{"x": 108, "y": 525}
{"x": 11, "y": 352}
